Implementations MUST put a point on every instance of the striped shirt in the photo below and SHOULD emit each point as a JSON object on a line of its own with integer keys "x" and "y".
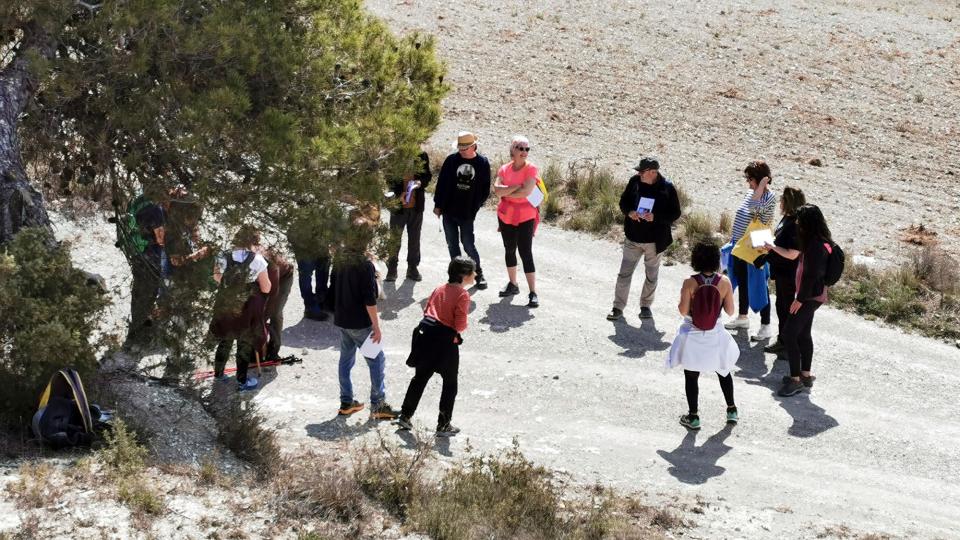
{"x": 765, "y": 208}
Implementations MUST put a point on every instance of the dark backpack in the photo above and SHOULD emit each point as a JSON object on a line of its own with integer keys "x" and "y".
{"x": 234, "y": 290}
{"x": 64, "y": 417}
{"x": 835, "y": 262}
{"x": 706, "y": 303}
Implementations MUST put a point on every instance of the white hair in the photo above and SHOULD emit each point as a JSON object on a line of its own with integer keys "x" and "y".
{"x": 518, "y": 139}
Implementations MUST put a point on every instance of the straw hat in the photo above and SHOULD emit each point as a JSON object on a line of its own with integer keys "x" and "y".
{"x": 465, "y": 139}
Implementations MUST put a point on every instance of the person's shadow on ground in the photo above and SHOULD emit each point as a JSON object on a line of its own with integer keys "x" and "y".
{"x": 809, "y": 419}
{"x": 503, "y": 315}
{"x": 337, "y": 429}
{"x": 753, "y": 363}
{"x": 634, "y": 341}
{"x": 696, "y": 464}
{"x": 398, "y": 298}
{"x": 311, "y": 334}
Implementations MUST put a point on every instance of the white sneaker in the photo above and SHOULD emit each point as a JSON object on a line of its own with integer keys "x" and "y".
{"x": 737, "y": 323}
{"x": 765, "y": 332}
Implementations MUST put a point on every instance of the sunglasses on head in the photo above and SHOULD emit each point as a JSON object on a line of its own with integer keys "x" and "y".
{"x": 521, "y": 148}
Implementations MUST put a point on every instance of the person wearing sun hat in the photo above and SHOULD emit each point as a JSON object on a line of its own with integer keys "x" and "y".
{"x": 650, "y": 206}
{"x": 463, "y": 185}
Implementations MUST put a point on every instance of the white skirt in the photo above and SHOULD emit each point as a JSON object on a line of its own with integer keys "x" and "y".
{"x": 698, "y": 350}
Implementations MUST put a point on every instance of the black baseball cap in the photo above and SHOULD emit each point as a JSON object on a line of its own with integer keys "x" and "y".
{"x": 646, "y": 164}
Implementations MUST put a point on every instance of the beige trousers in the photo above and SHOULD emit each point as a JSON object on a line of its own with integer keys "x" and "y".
{"x": 632, "y": 253}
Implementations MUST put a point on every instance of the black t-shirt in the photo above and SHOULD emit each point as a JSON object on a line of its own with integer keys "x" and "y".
{"x": 785, "y": 236}
{"x": 462, "y": 186}
{"x": 355, "y": 286}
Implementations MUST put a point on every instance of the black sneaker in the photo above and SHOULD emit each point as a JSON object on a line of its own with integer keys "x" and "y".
{"x": 447, "y": 430}
{"x": 690, "y": 421}
{"x": 383, "y": 412}
{"x": 404, "y": 423}
{"x": 645, "y": 313}
{"x": 806, "y": 381}
{"x": 790, "y": 388}
{"x": 510, "y": 290}
{"x": 534, "y": 300}
{"x": 615, "y": 314}
{"x": 391, "y": 274}
{"x": 481, "y": 282}
{"x": 347, "y": 409}
{"x": 413, "y": 274}
{"x": 776, "y": 347}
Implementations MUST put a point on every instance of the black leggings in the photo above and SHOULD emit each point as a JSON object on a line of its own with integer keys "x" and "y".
{"x": 692, "y": 387}
{"x": 786, "y": 288}
{"x": 797, "y": 339}
{"x": 519, "y": 236}
{"x": 740, "y": 271}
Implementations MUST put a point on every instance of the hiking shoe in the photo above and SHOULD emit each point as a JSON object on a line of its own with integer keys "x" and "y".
{"x": 534, "y": 300}
{"x": 481, "y": 282}
{"x": 732, "y": 416}
{"x": 737, "y": 323}
{"x": 391, "y": 274}
{"x": 413, "y": 274}
{"x": 447, "y": 430}
{"x": 223, "y": 377}
{"x": 404, "y": 423}
{"x": 690, "y": 421}
{"x": 383, "y": 412}
{"x": 645, "y": 313}
{"x": 615, "y": 314}
{"x": 790, "y": 388}
{"x": 776, "y": 347}
{"x": 510, "y": 290}
{"x": 765, "y": 332}
{"x": 806, "y": 381}
{"x": 348, "y": 408}
{"x": 250, "y": 384}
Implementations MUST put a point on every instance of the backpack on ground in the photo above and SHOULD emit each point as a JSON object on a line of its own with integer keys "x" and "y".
{"x": 234, "y": 289}
{"x": 835, "y": 261}
{"x": 65, "y": 417}
{"x": 706, "y": 303}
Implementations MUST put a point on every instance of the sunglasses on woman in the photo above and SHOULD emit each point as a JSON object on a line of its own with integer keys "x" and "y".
{"x": 521, "y": 148}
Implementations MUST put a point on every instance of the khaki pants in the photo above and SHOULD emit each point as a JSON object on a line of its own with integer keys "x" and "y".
{"x": 632, "y": 253}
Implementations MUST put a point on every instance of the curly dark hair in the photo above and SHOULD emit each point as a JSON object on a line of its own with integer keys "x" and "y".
{"x": 705, "y": 257}
{"x": 758, "y": 169}
{"x": 460, "y": 267}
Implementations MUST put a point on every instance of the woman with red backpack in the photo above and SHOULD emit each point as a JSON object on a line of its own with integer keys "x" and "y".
{"x": 816, "y": 246}
{"x": 701, "y": 343}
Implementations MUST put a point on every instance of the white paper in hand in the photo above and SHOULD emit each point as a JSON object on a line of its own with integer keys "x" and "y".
{"x": 761, "y": 237}
{"x": 645, "y": 205}
{"x": 535, "y": 197}
{"x": 369, "y": 349}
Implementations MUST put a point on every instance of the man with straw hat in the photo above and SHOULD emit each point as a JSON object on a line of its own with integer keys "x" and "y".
{"x": 462, "y": 187}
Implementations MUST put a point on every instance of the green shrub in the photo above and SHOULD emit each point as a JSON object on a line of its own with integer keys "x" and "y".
{"x": 597, "y": 195}
{"x": 123, "y": 455}
{"x": 49, "y": 314}
{"x": 243, "y": 430}
{"x": 389, "y": 474}
{"x": 140, "y": 497}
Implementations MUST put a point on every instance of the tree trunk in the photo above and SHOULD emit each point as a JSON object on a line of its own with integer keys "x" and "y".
{"x": 20, "y": 204}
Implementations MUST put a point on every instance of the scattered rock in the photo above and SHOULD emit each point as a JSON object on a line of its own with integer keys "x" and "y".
{"x": 816, "y": 162}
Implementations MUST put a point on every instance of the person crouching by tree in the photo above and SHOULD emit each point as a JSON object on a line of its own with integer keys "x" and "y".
{"x": 408, "y": 213}
{"x": 435, "y": 347}
{"x": 238, "y": 313}
{"x": 702, "y": 344}
{"x": 355, "y": 314}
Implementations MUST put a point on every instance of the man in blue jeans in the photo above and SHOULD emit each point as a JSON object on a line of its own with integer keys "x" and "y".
{"x": 462, "y": 187}
{"x": 355, "y": 313}
{"x": 313, "y": 298}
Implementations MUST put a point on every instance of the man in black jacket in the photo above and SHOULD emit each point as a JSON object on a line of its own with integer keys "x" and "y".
{"x": 462, "y": 187}
{"x": 650, "y": 206}
{"x": 408, "y": 213}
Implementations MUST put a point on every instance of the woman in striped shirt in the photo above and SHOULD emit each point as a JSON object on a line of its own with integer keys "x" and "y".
{"x": 761, "y": 203}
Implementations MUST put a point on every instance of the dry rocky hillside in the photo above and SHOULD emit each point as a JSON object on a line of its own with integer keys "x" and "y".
{"x": 855, "y": 102}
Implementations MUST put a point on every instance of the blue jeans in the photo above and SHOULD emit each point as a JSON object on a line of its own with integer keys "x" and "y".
{"x": 306, "y": 268}
{"x": 350, "y": 341}
{"x": 459, "y": 230}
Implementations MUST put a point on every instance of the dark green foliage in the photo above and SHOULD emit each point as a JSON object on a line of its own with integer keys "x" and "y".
{"x": 49, "y": 313}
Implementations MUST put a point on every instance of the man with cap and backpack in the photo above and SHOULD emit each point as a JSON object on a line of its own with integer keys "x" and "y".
{"x": 463, "y": 185}
{"x": 650, "y": 206}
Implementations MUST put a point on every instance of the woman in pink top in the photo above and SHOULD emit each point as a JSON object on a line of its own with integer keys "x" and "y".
{"x": 518, "y": 218}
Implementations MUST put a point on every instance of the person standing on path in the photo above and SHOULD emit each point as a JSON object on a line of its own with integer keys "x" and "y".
{"x": 408, "y": 213}
{"x": 435, "y": 347}
{"x": 647, "y": 230}
{"x": 518, "y": 218}
{"x": 760, "y": 204}
{"x": 463, "y": 185}
{"x": 816, "y": 245}
{"x": 701, "y": 343}
{"x": 280, "y": 272}
{"x": 783, "y": 270}
{"x": 355, "y": 314}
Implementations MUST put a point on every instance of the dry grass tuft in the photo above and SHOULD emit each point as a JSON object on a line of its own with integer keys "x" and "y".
{"x": 312, "y": 486}
{"x": 695, "y": 226}
{"x": 242, "y": 429}
{"x": 390, "y": 475}
{"x": 37, "y": 486}
{"x": 123, "y": 455}
{"x": 725, "y": 226}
